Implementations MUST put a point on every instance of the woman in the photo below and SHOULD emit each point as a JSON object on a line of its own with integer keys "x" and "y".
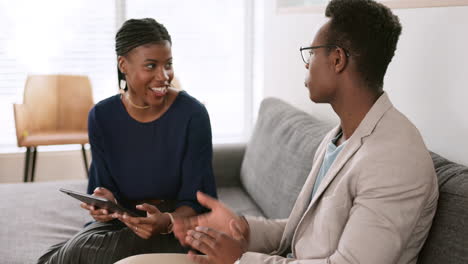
{"x": 152, "y": 151}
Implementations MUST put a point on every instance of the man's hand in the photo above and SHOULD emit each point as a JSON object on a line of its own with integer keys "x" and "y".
{"x": 219, "y": 247}
{"x": 154, "y": 223}
{"x": 101, "y": 215}
{"x": 218, "y": 219}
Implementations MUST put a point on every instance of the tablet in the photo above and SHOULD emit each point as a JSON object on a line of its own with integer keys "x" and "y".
{"x": 99, "y": 202}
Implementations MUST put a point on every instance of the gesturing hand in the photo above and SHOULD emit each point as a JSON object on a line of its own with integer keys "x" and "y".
{"x": 101, "y": 215}
{"x": 218, "y": 219}
{"x": 154, "y": 223}
{"x": 219, "y": 247}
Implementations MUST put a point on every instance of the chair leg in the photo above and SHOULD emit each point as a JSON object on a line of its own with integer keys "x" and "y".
{"x": 33, "y": 170}
{"x": 85, "y": 159}
{"x": 26, "y": 164}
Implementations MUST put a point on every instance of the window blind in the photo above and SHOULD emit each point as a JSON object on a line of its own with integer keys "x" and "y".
{"x": 209, "y": 55}
{"x": 53, "y": 37}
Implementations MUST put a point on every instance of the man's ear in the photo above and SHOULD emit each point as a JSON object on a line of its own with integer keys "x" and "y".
{"x": 340, "y": 60}
{"x": 122, "y": 63}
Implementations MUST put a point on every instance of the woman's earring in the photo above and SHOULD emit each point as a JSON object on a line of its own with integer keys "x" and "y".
{"x": 123, "y": 84}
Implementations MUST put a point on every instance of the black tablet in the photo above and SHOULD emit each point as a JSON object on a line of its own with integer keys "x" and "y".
{"x": 99, "y": 202}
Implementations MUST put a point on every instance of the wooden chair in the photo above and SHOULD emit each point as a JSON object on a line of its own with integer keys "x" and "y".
{"x": 54, "y": 112}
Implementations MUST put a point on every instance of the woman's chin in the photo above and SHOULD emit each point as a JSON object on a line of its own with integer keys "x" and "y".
{"x": 157, "y": 98}
{"x": 156, "y": 101}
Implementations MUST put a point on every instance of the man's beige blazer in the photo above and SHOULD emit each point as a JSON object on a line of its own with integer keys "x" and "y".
{"x": 374, "y": 206}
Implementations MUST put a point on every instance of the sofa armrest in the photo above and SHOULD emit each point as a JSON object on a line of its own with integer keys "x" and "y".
{"x": 227, "y": 161}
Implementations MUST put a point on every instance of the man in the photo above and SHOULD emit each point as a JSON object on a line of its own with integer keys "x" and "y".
{"x": 372, "y": 191}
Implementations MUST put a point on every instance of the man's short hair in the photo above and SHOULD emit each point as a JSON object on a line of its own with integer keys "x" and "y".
{"x": 369, "y": 31}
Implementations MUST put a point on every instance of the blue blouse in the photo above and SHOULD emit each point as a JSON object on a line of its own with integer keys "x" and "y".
{"x": 166, "y": 159}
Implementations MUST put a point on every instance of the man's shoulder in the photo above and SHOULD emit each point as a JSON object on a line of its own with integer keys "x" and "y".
{"x": 396, "y": 130}
{"x": 396, "y": 145}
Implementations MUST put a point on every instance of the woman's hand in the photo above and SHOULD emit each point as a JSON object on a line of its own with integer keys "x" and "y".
{"x": 154, "y": 223}
{"x": 101, "y": 215}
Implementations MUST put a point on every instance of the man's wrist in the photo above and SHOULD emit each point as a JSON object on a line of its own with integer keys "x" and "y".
{"x": 247, "y": 229}
{"x": 242, "y": 217}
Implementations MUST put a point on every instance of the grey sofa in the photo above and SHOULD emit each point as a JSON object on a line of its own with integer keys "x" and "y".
{"x": 262, "y": 178}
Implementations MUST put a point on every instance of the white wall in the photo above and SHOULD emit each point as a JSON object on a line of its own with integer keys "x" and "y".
{"x": 427, "y": 80}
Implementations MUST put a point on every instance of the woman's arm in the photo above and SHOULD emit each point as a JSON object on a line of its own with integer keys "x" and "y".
{"x": 99, "y": 175}
{"x": 197, "y": 170}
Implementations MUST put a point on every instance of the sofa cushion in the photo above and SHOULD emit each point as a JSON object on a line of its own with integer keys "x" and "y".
{"x": 279, "y": 156}
{"x": 36, "y": 216}
{"x": 448, "y": 238}
{"x": 238, "y": 200}
{"x": 227, "y": 160}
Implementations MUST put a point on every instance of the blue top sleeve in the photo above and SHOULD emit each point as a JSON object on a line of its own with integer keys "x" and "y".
{"x": 197, "y": 163}
{"x": 98, "y": 169}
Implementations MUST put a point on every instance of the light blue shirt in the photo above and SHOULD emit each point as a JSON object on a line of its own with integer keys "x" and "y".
{"x": 330, "y": 156}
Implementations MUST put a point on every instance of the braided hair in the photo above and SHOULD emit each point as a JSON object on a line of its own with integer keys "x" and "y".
{"x": 137, "y": 32}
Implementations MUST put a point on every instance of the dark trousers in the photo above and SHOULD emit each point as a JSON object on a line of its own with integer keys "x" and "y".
{"x": 108, "y": 243}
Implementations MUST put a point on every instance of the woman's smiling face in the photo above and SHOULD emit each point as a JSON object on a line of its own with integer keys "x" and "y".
{"x": 148, "y": 72}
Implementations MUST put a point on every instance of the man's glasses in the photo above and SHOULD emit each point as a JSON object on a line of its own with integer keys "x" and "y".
{"x": 307, "y": 52}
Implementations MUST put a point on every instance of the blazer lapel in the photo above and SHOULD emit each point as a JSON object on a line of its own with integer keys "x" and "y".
{"x": 303, "y": 199}
{"x": 364, "y": 129}
{"x": 348, "y": 151}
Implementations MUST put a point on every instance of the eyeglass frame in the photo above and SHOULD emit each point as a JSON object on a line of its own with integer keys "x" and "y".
{"x": 318, "y": 47}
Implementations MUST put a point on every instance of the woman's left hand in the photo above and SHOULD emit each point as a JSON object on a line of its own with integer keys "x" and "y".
{"x": 154, "y": 223}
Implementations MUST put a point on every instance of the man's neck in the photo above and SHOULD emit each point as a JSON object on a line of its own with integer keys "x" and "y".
{"x": 351, "y": 107}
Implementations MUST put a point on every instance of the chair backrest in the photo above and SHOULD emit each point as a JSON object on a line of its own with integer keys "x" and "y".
{"x": 57, "y": 102}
